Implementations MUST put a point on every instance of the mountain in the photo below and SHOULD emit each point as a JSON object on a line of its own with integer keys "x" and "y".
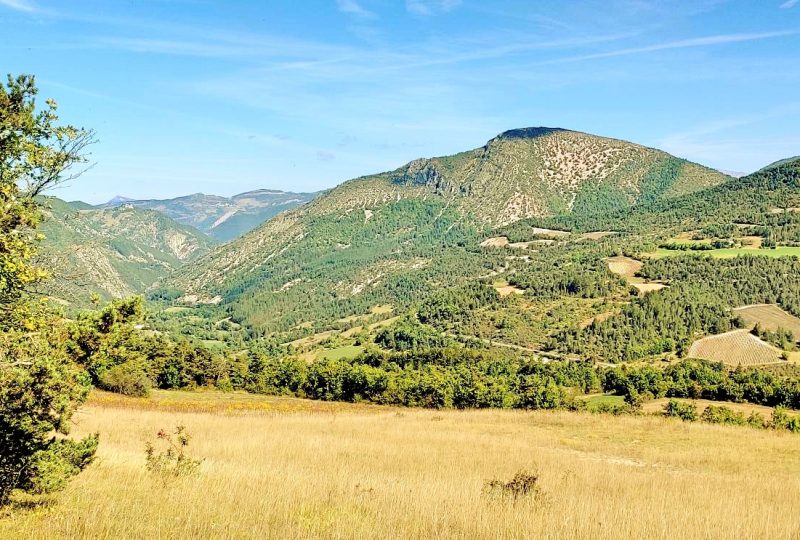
{"x": 223, "y": 218}
{"x": 395, "y": 237}
{"x": 114, "y": 252}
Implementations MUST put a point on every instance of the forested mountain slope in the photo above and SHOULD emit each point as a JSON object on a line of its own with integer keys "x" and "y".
{"x": 223, "y": 218}
{"x": 762, "y": 198}
{"x": 113, "y": 252}
{"x": 394, "y": 236}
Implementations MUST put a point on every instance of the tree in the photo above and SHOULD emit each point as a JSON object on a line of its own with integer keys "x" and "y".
{"x": 40, "y": 385}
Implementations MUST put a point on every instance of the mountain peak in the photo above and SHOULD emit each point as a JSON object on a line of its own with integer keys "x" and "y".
{"x": 529, "y": 132}
{"x": 119, "y": 199}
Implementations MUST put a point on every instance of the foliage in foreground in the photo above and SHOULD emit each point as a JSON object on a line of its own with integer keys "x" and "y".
{"x": 40, "y": 385}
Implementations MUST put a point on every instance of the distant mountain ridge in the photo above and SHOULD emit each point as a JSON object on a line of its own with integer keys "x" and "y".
{"x": 222, "y": 218}
{"x": 113, "y": 252}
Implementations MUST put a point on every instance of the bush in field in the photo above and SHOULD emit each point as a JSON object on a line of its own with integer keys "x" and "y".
{"x": 167, "y": 458}
{"x": 522, "y": 485}
{"x": 685, "y": 411}
{"x": 723, "y": 415}
{"x": 782, "y": 420}
{"x": 615, "y": 409}
{"x": 129, "y": 379}
{"x": 757, "y": 421}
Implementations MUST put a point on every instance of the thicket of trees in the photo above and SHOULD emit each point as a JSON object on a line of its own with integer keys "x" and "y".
{"x": 438, "y": 378}
{"x": 700, "y": 379}
{"x": 664, "y": 322}
{"x": 740, "y": 280}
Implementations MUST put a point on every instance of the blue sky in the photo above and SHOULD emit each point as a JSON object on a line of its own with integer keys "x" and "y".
{"x": 221, "y": 97}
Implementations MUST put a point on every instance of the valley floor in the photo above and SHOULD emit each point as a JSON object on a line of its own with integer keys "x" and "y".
{"x": 287, "y": 468}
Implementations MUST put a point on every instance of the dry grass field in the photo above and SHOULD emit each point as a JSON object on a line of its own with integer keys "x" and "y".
{"x": 344, "y": 471}
{"x": 624, "y": 266}
{"x": 735, "y": 348}
{"x": 628, "y": 268}
{"x": 596, "y": 235}
{"x": 770, "y": 317}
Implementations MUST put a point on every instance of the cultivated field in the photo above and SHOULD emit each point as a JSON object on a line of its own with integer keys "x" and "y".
{"x": 596, "y": 235}
{"x": 770, "y": 317}
{"x": 735, "y": 348}
{"x": 347, "y": 471}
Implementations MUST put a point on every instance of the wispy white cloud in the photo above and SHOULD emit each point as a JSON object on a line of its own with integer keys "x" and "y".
{"x": 19, "y": 5}
{"x": 680, "y": 44}
{"x": 716, "y": 141}
{"x": 789, "y": 4}
{"x": 352, "y": 7}
{"x": 427, "y": 8}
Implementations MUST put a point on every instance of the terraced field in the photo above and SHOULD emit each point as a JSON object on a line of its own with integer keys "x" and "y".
{"x": 735, "y": 348}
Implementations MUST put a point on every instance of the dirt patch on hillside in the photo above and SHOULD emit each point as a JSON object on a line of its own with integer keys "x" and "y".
{"x": 645, "y": 288}
{"x": 770, "y": 317}
{"x": 497, "y": 241}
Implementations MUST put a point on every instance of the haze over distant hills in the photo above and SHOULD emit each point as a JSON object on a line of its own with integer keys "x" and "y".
{"x": 113, "y": 252}
{"x": 222, "y": 218}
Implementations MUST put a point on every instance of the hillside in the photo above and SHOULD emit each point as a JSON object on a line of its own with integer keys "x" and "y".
{"x": 779, "y": 163}
{"x": 114, "y": 252}
{"x": 223, "y": 218}
{"x": 392, "y": 237}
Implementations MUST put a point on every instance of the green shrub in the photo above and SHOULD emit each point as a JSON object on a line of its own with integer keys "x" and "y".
{"x": 782, "y": 420}
{"x": 128, "y": 379}
{"x": 685, "y": 411}
{"x": 723, "y": 415}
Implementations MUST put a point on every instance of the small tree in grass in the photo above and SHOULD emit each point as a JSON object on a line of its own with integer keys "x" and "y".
{"x": 168, "y": 458}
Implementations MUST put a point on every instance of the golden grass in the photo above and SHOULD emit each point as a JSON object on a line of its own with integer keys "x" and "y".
{"x": 596, "y": 235}
{"x": 624, "y": 266}
{"x": 505, "y": 289}
{"x": 770, "y": 317}
{"x": 627, "y": 268}
{"x": 352, "y": 472}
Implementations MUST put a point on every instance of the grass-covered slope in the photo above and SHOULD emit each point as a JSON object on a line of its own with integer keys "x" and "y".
{"x": 113, "y": 252}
